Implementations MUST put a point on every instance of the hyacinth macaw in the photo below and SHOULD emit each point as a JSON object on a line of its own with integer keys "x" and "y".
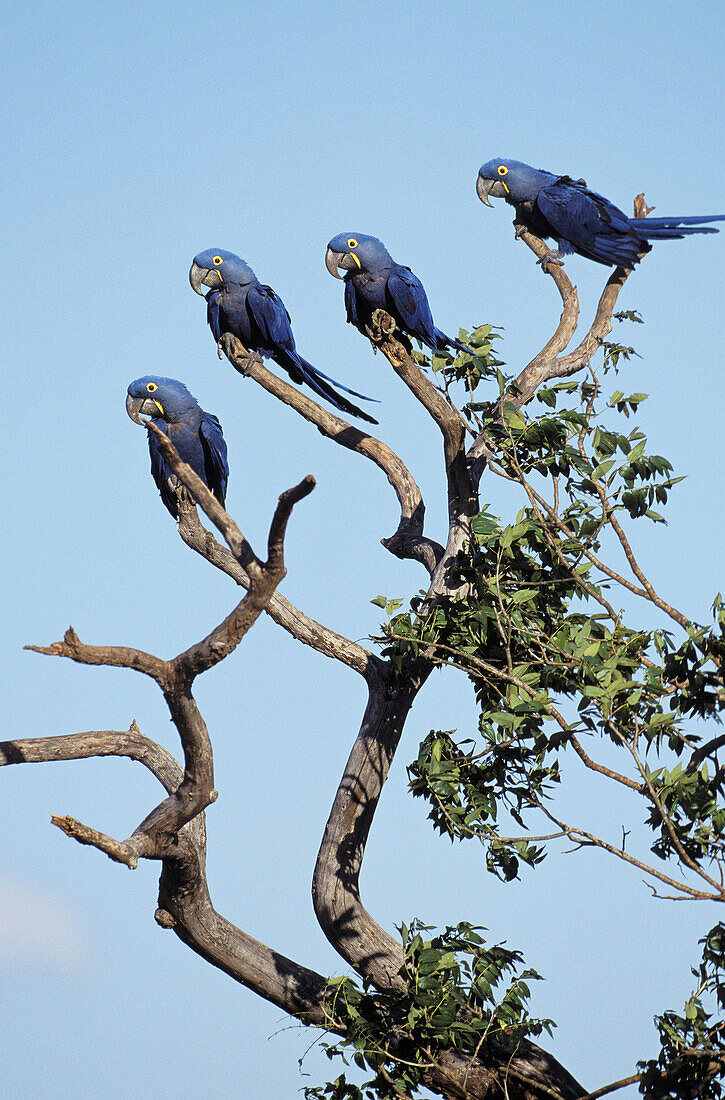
{"x": 238, "y": 303}
{"x": 580, "y": 220}
{"x": 373, "y": 281}
{"x": 197, "y": 435}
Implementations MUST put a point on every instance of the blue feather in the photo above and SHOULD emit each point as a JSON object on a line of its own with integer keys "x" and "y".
{"x": 196, "y": 435}
{"x": 256, "y": 315}
{"x": 375, "y": 281}
{"x": 579, "y": 219}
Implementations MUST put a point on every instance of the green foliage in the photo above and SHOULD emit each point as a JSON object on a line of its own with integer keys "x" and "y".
{"x": 690, "y": 1062}
{"x": 519, "y": 633}
{"x": 388, "y": 606}
{"x": 471, "y": 369}
{"x": 457, "y": 994}
{"x": 556, "y": 668}
{"x": 614, "y": 351}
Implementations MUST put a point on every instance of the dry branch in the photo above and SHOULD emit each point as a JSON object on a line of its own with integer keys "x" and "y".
{"x": 157, "y": 835}
{"x": 549, "y": 363}
{"x": 408, "y": 541}
{"x": 170, "y": 832}
{"x": 82, "y": 746}
{"x": 302, "y": 627}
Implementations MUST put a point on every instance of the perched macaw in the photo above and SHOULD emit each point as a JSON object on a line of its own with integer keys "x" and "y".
{"x": 373, "y": 281}
{"x": 580, "y": 220}
{"x": 238, "y": 303}
{"x": 197, "y": 435}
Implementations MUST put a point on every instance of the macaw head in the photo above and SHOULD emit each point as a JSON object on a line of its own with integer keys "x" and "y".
{"x": 214, "y": 267}
{"x": 355, "y": 252}
{"x": 158, "y": 397}
{"x": 510, "y": 180}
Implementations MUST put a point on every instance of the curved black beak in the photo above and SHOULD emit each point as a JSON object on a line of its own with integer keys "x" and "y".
{"x": 135, "y": 406}
{"x": 348, "y": 261}
{"x": 333, "y": 262}
{"x": 203, "y": 276}
{"x": 486, "y": 189}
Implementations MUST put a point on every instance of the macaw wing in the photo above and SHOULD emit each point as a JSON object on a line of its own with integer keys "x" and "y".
{"x": 268, "y": 314}
{"x": 215, "y": 455}
{"x": 351, "y": 309}
{"x": 405, "y": 292}
{"x": 577, "y": 214}
{"x": 212, "y": 313}
{"x": 160, "y": 471}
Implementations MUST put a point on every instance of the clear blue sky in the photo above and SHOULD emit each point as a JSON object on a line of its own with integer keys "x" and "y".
{"x": 134, "y": 136}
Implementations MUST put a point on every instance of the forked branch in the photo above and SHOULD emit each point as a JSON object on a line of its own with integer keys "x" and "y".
{"x": 157, "y": 836}
{"x": 550, "y": 363}
{"x": 408, "y": 541}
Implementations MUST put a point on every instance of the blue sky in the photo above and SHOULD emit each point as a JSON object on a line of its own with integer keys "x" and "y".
{"x": 134, "y": 136}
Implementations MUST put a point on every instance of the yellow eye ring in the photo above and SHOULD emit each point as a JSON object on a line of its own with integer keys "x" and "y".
{"x": 502, "y": 170}
{"x": 218, "y": 260}
{"x": 152, "y": 387}
{"x": 352, "y": 243}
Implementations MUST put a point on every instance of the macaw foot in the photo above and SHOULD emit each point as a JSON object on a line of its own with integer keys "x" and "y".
{"x": 383, "y": 325}
{"x": 372, "y": 336}
{"x": 177, "y": 486}
{"x": 227, "y": 345}
{"x": 553, "y": 257}
{"x": 519, "y": 231}
{"x": 235, "y": 352}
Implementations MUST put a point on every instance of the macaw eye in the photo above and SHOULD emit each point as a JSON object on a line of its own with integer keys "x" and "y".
{"x": 352, "y": 243}
{"x": 502, "y": 170}
{"x": 152, "y": 387}
{"x": 217, "y": 260}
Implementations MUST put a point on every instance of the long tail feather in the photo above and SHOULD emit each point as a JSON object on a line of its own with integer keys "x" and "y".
{"x": 673, "y": 228}
{"x": 319, "y": 382}
{"x": 319, "y": 374}
{"x": 448, "y": 341}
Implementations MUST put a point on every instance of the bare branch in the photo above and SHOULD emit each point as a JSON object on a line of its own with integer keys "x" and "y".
{"x": 549, "y": 362}
{"x": 335, "y": 888}
{"x": 282, "y": 513}
{"x": 584, "y": 839}
{"x": 130, "y": 743}
{"x": 462, "y": 497}
{"x": 569, "y": 298}
{"x": 600, "y": 327}
{"x": 114, "y": 656}
{"x": 295, "y": 622}
{"x": 396, "y": 349}
{"x": 236, "y": 541}
{"x": 408, "y": 541}
{"x": 114, "y": 849}
{"x": 185, "y": 907}
{"x": 264, "y": 579}
{"x": 157, "y": 835}
{"x": 613, "y": 1087}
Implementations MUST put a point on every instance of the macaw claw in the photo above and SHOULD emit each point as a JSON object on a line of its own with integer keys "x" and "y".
{"x": 553, "y": 257}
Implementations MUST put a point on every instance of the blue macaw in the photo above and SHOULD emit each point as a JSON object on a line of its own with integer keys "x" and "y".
{"x": 197, "y": 435}
{"x": 238, "y": 303}
{"x": 580, "y": 220}
{"x": 373, "y": 281}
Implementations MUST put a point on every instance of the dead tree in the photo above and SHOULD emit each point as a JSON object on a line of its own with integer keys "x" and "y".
{"x": 174, "y": 832}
